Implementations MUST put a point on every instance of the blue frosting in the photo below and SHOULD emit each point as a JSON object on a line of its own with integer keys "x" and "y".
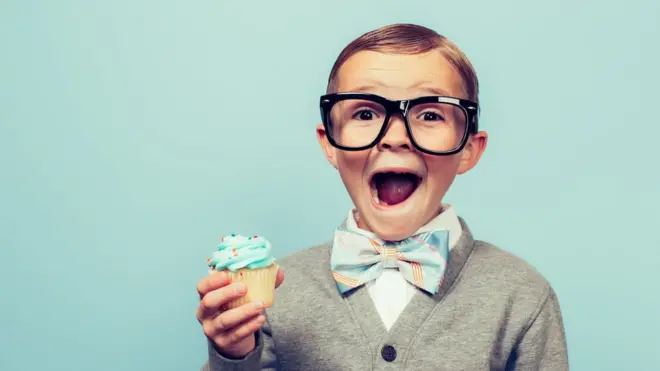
{"x": 236, "y": 252}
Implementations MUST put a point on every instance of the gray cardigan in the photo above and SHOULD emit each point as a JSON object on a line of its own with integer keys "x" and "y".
{"x": 493, "y": 312}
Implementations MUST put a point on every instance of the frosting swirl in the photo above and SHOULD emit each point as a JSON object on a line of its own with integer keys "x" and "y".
{"x": 236, "y": 252}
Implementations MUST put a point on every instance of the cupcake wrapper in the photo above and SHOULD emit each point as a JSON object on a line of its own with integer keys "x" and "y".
{"x": 260, "y": 285}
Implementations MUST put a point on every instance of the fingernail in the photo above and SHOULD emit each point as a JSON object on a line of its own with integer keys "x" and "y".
{"x": 238, "y": 288}
{"x": 258, "y": 304}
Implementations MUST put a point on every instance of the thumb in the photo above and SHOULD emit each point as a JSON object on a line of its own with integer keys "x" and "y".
{"x": 279, "y": 278}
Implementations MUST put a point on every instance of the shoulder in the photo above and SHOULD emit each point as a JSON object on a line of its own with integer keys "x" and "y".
{"x": 306, "y": 275}
{"x": 307, "y": 261}
{"x": 506, "y": 273}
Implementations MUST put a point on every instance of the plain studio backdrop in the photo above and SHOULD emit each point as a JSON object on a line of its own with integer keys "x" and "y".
{"x": 133, "y": 134}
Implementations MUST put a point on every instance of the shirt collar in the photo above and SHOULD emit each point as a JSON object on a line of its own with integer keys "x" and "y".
{"x": 446, "y": 220}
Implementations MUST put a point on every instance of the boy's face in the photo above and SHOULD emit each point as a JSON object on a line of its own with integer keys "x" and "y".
{"x": 398, "y": 77}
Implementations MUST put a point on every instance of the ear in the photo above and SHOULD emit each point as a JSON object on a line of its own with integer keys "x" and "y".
{"x": 472, "y": 152}
{"x": 329, "y": 151}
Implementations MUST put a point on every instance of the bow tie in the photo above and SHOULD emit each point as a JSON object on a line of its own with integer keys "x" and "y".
{"x": 357, "y": 259}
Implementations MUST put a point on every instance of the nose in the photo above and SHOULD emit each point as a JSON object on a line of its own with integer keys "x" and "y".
{"x": 396, "y": 137}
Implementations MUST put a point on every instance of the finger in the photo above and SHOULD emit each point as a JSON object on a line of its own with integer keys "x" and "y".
{"x": 212, "y": 282}
{"x": 211, "y": 303}
{"x": 234, "y": 317}
{"x": 237, "y": 334}
{"x": 279, "y": 278}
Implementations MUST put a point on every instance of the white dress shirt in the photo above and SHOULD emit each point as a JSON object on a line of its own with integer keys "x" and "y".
{"x": 390, "y": 291}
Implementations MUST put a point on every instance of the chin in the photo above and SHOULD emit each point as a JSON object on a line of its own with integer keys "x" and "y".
{"x": 392, "y": 227}
{"x": 394, "y": 233}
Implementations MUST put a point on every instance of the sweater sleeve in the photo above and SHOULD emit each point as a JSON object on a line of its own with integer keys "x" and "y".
{"x": 261, "y": 358}
{"x": 542, "y": 346}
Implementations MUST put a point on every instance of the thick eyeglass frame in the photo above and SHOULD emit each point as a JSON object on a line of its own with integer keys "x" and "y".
{"x": 392, "y": 107}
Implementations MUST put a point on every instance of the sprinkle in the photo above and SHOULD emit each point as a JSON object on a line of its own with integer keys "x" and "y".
{"x": 233, "y": 250}
{"x": 233, "y": 234}
{"x": 255, "y": 237}
{"x": 241, "y": 273}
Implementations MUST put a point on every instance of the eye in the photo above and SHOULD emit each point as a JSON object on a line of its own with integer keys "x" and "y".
{"x": 431, "y": 116}
{"x": 364, "y": 114}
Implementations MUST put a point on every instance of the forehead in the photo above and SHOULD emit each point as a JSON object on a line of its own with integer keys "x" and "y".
{"x": 400, "y": 76}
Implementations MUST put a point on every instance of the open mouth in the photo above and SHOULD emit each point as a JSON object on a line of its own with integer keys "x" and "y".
{"x": 391, "y": 188}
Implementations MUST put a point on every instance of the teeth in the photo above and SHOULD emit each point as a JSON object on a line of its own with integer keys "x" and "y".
{"x": 374, "y": 194}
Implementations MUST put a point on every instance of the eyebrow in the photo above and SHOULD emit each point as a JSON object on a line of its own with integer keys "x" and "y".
{"x": 420, "y": 85}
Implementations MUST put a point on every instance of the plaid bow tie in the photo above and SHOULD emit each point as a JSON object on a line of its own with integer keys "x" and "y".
{"x": 357, "y": 259}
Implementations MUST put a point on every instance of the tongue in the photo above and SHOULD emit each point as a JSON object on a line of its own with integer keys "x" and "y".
{"x": 395, "y": 188}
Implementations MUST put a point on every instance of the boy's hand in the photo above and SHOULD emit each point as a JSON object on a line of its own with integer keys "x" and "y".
{"x": 233, "y": 330}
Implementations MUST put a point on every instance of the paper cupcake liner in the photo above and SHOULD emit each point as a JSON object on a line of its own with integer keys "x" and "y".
{"x": 260, "y": 285}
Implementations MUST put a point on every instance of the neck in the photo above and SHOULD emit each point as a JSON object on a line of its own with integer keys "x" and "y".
{"x": 362, "y": 225}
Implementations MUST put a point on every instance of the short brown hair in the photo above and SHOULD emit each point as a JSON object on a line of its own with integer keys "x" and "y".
{"x": 409, "y": 39}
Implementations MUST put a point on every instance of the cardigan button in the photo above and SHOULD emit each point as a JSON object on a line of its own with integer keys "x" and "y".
{"x": 389, "y": 353}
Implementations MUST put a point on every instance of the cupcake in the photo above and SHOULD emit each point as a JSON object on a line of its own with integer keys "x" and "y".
{"x": 247, "y": 260}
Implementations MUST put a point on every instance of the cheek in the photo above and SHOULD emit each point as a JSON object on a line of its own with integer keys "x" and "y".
{"x": 442, "y": 171}
{"x": 351, "y": 167}
{"x": 352, "y": 162}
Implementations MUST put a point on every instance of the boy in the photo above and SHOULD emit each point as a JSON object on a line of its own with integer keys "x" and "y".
{"x": 403, "y": 284}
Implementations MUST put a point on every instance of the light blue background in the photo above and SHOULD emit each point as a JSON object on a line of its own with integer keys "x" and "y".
{"x": 134, "y": 133}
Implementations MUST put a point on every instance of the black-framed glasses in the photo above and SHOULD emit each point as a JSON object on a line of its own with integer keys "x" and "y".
{"x": 436, "y": 125}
